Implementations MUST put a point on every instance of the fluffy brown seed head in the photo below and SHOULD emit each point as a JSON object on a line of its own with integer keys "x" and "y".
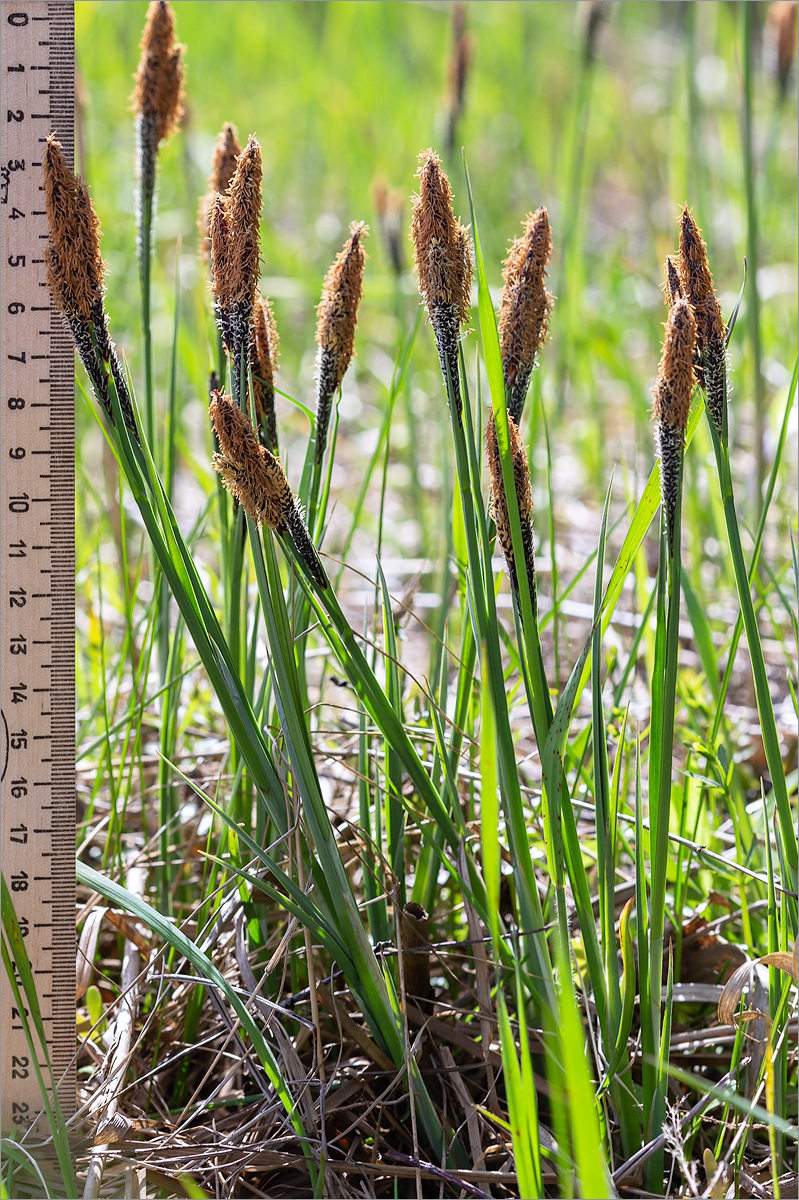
{"x": 341, "y": 295}
{"x": 158, "y": 94}
{"x": 223, "y": 164}
{"x": 526, "y": 304}
{"x": 74, "y": 265}
{"x": 248, "y": 470}
{"x": 697, "y": 282}
{"x": 672, "y": 391}
{"x": 441, "y": 243}
{"x": 243, "y": 204}
{"x": 521, "y": 477}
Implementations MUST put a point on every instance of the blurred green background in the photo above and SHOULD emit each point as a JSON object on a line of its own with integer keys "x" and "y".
{"x": 341, "y": 93}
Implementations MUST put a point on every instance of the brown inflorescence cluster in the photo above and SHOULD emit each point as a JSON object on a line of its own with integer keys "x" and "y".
{"x": 254, "y": 476}
{"x": 443, "y": 264}
{"x": 223, "y": 165}
{"x": 158, "y": 93}
{"x": 525, "y": 307}
{"x": 263, "y": 361}
{"x": 75, "y": 273}
{"x": 336, "y": 324}
{"x": 710, "y": 365}
{"x": 235, "y": 260}
{"x": 672, "y": 401}
{"x": 498, "y": 508}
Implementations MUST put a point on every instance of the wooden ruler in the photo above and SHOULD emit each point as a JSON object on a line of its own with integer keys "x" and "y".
{"x": 37, "y": 568}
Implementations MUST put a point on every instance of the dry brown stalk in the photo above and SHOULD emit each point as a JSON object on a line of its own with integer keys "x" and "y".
{"x": 158, "y": 93}
{"x": 498, "y": 507}
{"x": 388, "y": 205}
{"x": 235, "y": 260}
{"x": 336, "y": 325}
{"x": 263, "y": 354}
{"x": 223, "y": 164}
{"x": 443, "y": 264}
{"x": 710, "y": 365}
{"x": 75, "y": 273}
{"x": 672, "y": 400}
{"x": 254, "y": 476}
{"x": 525, "y": 307}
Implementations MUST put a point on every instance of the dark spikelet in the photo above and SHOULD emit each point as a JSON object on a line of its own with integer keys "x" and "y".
{"x": 524, "y": 498}
{"x": 594, "y": 14}
{"x": 443, "y": 264}
{"x": 158, "y": 93}
{"x": 235, "y": 260}
{"x": 780, "y": 42}
{"x": 672, "y": 286}
{"x": 223, "y": 164}
{"x": 672, "y": 401}
{"x": 263, "y": 357}
{"x": 75, "y": 273}
{"x": 525, "y": 307}
{"x": 460, "y": 61}
{"x": 388, "y": 206}
{"x": 697, "y": 284}
{"x": 295, "y": 524}
{"x": 336, "y": 325}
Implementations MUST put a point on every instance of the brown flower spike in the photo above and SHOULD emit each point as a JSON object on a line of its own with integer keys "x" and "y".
{"x": 498, "y": 507}
{"x": 74, "y": 267}
{"x": 780, "y": 42}
{"x": 388, "y": 205}
{"x": 75, "y": 273}
{"x": 672, "y": 401}
{"x": 710, "y": 364}
{"x": 263, "y": 359}
{"x": 462, "y": 49}
{"x": 254, "y": 476}
{"x": 443, "y": 264}
{"x": 223, "y": 164}
{"x": 335, "y": 330}
{"x": 158, "y": 94}
{"x": 235, "y": 259}
{"x": 525, "y": 307}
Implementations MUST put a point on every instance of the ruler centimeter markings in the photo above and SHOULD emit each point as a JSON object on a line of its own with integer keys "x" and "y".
{"x": 37, "y": 567}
